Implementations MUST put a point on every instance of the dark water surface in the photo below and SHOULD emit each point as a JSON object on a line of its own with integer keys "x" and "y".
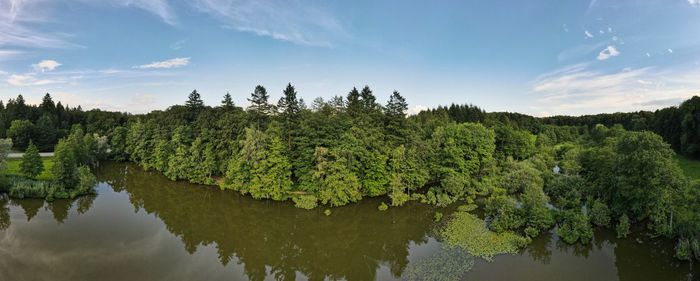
{"x": 142, "y": 226}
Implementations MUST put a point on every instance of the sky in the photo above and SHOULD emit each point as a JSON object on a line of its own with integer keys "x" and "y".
{"x": 539, "y": 57}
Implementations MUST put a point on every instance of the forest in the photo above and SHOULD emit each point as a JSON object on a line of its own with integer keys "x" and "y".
{"x": 529, "y": 174}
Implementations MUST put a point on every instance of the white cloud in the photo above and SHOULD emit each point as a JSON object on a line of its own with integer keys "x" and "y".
{"x": 644, "y": 82}
{"x": 293, "y": 21}
{"x": 694, "y": 3}
{"x": 578, "y": 89}
{"x": 28, "y": 80}
{"x": 670, "y": 51}
{"x": 648, "y": 55}
{"x": 607, "y": 53}
{"x": 171, "y": 63}
{"x": 588, "y": 34}
{"x": 415, "y": 109}
{"x": 46, "y": 65}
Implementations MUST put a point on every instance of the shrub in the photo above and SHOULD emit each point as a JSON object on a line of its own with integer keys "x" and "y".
{"x": 437, "y": 217}
{"x": 623, "y": 227}
{"x": 307, "y": 202}
{"x": 600, "y": 213}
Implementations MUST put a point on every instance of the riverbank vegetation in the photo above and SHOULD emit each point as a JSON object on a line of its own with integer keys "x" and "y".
{"x": 532, "y": 174}
{"x": 65, "y": 176}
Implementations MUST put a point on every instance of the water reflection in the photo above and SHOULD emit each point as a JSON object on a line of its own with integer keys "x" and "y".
{"x": 143, "y": 227}
{"x": 276, "y": 239}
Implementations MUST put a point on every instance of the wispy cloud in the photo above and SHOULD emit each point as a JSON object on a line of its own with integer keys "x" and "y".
{"x": 178, "y": 45}
{"x": 607, "y": 53}
{"x": 588, "y": 34}
{"x": 694, "y": 3}
{"x": 29, "y": 80}
{"x": 10, "y": 54}
{"x": 292, "y": 21}
{"x": 579, "y": 89}
{"x": 171, "y": 63}
{"x": 160, "y": 8}
{"x": 46, "y": 65}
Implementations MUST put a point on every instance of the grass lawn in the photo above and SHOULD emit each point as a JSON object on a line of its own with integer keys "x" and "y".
{"x": 690, "y": 167}
{"x": 13, "y": 168}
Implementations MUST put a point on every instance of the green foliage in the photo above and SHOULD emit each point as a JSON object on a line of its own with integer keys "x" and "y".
{"x": 5, "y": 146}
{"x": 336, "y": 184}
{"x": 383, "y": 207}
{"x": 437, "y": 217}
{"x": 600, "y": 213}
{"x": 467, "y": 208}
{"x": 327, "y": 212}
{"x": 261, "y": 168}
{"x": 517, "y": 144}
{"x": 683, "y": 251}
{"x": 307, "y": 202}
{"x": 503, "y": 211}
{"x": 463, "y": 157}
{"x": 466, "y": 231}
{"x": 31, "y": 165}
{"x": 623, "y": 227}
{"x": 21, "y": 133}
{"x": 575, "y": 227}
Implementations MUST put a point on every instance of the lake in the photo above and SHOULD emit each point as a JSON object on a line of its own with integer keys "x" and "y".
{"x": 141, "y": 226}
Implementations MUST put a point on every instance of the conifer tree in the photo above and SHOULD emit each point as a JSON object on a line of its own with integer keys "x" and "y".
{"x": 31, "y": 165}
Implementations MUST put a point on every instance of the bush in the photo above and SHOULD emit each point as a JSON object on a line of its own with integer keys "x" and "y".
{"x": 600, "y": 214}
{"x": 437, "y": 217}
{"x": 467, "y": 208}
{"x": 623, "y": 227}
{"x": 575, "y": 227}
{"x": 307, "y": 202}
{"x": 683, "y": 249}
{"x": 383, "y": 207}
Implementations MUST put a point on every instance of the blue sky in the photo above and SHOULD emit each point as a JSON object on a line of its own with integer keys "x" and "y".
{"x": 537, "y": 57}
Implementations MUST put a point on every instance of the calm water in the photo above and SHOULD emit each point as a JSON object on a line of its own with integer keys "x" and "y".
{"x": 141, "y": 226}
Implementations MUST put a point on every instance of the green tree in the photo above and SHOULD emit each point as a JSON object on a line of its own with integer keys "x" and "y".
{"x": 227, "y": 102}
{"x": 336, "y": 184}
{"x": 65, "y": 163}
{"x": 31, "y": 165}
{"x": 395, "y": 119}
{"x": 194, "y": 101}
{"x": 354, "y": 104}
{"x": 463, "y": 158}
{"x": 260, "y": 109}
{"x": 45, "y": 133}
{"x": 21, "y": 133}
{"x": 290, "y": 113}
{"x": 575, "y": 227}
{"x": 178, "y": 163}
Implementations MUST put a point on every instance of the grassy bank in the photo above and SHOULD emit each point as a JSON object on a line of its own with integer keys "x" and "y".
{"x": 690, "y": 167}
{"x": 13, "y": 168}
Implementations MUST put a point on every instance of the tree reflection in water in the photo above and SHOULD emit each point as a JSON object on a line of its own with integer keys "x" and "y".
{"x": 274, "y": 238}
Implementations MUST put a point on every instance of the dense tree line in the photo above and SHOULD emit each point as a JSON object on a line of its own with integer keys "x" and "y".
{"x": 678, "y": 125}
{"x": 46, "y": 123}
{"x": 334, "y": 152}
